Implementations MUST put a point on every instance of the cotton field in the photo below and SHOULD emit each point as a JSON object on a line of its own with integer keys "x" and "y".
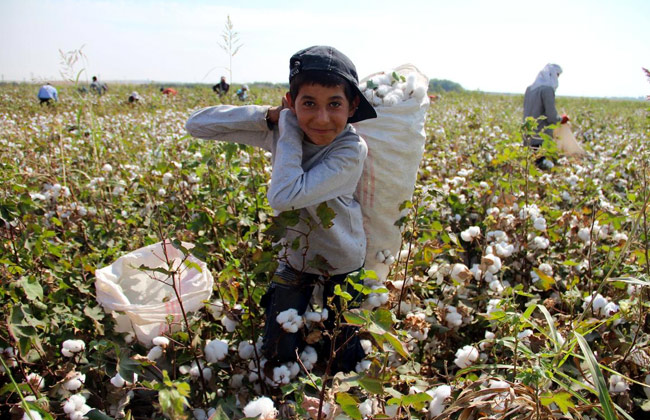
{"x": 517, "y": 292}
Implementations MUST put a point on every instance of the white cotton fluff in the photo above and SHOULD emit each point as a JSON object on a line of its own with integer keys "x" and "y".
{"x": 36, "y": 380}
{"x": 229, "y": 324}
{"x": 31, "y": 415}
{"x": 539, "y": 223}
{"x": 160, "y": 341}
{"x": 460, "y": 273}
{"x": 610, "y": 309}
{"x": 438, "y": 395}
{"x": 262, "y": 407}
{"x": 599, "y": 303}
{"x": 215, "y": 350}
{"x": 216, "y": 308}
{"x": 375, "y": 300}
{"x": 525, "y": 334}
{"x": 540, "y": 242}
{"x": 70, "y": 347}
{"x": 453, "y": 318}
{"x": 196, "y": 373}
{"x": 75, "y": 407}
{"x": 492, "y": 263}
{"x": 362, "y": 366}
{"x": 117, "y": 381}
{"x": 496, "y": 286}
{"x": 167, "y": 178}
{"x": 504, "y": 249}
{"x": 237, "y": 380}
{"x": 316, "y": 316}
{"x": 245, "y": 350}
{"x": 107, "y": 167}
{"x": 290, "y": 321}
{"x": 469, "y": 234}
{"x": 155, "y": 353}
{"x": 75, "y": 381}
{"x": 309, "y": 357}
{"x": 368, "y": 408}
{"x": 400, "y": 284}
{"x": 466, "y": 356}
{"x": 617, "y": 384}
{"x": 584, "y": 235}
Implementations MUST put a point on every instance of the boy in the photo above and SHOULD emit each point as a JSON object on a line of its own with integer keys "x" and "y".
{"x": 317, "y": 158}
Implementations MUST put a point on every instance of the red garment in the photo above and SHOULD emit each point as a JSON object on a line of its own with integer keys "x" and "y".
{"x": 169, "y": 91}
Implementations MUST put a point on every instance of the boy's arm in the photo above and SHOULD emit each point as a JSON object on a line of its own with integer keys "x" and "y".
{"x": 237, "y": 124}
{"x": 337, "y": 174}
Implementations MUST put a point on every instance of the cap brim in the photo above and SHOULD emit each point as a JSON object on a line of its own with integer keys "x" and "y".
{"x": 365, "y": 110}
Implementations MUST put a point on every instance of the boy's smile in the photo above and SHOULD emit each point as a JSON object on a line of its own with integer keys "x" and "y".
{"x": 322, "y": 112}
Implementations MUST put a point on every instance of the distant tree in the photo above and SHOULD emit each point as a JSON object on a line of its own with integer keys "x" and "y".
{"x": 444, "y": 85}
{"x": 231, "y": 44}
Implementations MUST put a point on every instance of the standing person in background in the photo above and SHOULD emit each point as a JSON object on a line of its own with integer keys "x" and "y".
{"x": 222, "y": 87}
{"x": 539, "y": 103}
{"x": 47, "y": 93}
{"x": 98, "y": 87}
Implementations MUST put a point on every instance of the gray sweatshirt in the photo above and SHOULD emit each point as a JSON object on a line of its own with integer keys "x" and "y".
{"x": 540, "y": 101}
{"x": 304, "y": 175}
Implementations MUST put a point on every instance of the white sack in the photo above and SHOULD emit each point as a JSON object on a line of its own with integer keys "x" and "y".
{"x": 566, "y": 141}
{"x": 141, "y": 297}
{"x": 395, "y": 148}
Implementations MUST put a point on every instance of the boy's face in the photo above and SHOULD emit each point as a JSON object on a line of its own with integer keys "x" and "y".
{"x": 322, "y": 112}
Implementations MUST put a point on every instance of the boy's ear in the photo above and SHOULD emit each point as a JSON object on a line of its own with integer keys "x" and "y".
{"x": 353, "y": 106}
{"x": 289, "y": 101}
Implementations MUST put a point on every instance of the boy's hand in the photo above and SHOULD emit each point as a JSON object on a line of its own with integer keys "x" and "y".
{"x": 273, "y": 114}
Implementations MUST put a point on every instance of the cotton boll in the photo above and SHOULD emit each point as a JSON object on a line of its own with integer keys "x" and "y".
{"x": 380, "y": 257}
{"x": 366, "y": 345}
{"x": 309, "y": 357}
{"x": 470, "y": 233}
{"x": 383, "y": 90}
{"x": 31, "y": 415}
{"x": 72, "y": 346}
{"x": 281, "y": 375}
{"x": 460, "y": 273}
{"x": 466, "y": 356}
{"x": 155, "y": 353}
{"x": 216, "y": 350}
{"x": 453, "y": 318}
{"x": 362, "y": 366}
{"x": 377, "y": 101}
{"x": 438, "y": 395}
{"x": 161, "y": 341}
{"x": 229, "y": 324}
{"x": 610, "y": 309}
{"x": 117, "y": 381}
{"x": 290, "y": 320}
{"x": 391, "y": 100}
{"x": 245, "y": 350}
{"x": 237, "y": 381}
{"x": 584, "y": 235}
{"x": 540, "y": 223}
{"x": 75, "y": 381}
{"x": 262, "y": 407}
{"x": 420, "y": 92}
{"x": 492, "y": 263}
{"x": 617, "y": 384}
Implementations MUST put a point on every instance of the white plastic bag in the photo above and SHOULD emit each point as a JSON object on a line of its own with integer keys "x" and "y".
{"x": 145, "y": 298}
{"x": 395, "y": 147}
{"x": 566, "y": 141}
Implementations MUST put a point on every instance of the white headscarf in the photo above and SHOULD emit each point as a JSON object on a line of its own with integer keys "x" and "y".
{"x": 548, "y": 76}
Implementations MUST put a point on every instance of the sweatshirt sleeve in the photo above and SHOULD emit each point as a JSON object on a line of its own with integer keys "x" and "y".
{"x": 548, "y": 100}
{"x": 236, "y": 124}
{"x": 336, "y": 174}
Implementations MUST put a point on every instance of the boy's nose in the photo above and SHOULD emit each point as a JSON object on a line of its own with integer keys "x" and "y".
{"x": 322, "y": 115}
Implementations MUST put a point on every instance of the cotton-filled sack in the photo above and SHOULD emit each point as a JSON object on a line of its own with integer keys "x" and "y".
{"x": 566, "y": 141}
{"x": 141, "y": 297}
{"x": 395, "y": 147}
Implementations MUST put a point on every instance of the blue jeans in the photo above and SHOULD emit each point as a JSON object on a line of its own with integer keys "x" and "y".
{"x": 292, "y": 289}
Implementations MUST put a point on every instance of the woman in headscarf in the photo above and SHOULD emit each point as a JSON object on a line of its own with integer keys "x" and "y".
{"x": 539, "y": 101}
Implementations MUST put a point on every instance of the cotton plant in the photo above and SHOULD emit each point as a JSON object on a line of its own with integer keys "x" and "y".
{"x": 290, "y": 321}
{"x": 215, "y": 350}
{"x": 466, "y": 356}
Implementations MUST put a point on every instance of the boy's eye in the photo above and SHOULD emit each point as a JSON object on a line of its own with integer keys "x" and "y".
{"x": 335, "y": 104}
{"x": 308, "y": 103}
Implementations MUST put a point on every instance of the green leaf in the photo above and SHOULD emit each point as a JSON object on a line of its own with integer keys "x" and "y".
{"x": 354, "y": 318}
{"x": 397, "y": 345}
{"x": 416, "y": 401}
{"x": 349, "y": 404}
{"x": 32, "y": 288}
{"x": 601, "y": 386}
{"x": 95, "y": 414}
{"x": 562, "y": 399}
{"x": 325, "y": 214}
{"x": 219, "y": 414}
{"x": 341, "y": 293}
{"x": 372, "y": 385}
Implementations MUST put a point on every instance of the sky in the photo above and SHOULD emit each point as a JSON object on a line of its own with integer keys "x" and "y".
{"x": 492, "y": 46}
